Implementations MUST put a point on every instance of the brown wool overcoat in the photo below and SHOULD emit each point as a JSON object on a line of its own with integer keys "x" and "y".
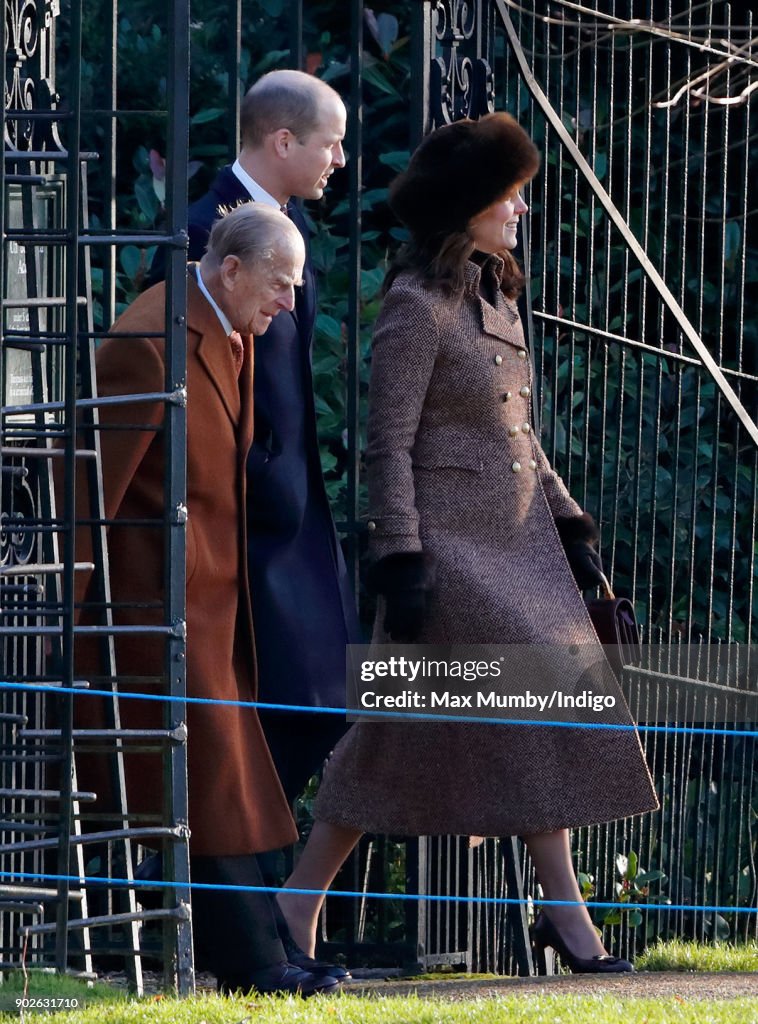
{"x": 236, "y": 805}
{"x": 455, "y": 470}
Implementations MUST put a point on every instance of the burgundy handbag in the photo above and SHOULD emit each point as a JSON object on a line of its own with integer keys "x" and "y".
{"x": 616, "y": 626}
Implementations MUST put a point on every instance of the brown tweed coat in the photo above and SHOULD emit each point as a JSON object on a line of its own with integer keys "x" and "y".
{"x": 236, "y": 805}
{"x": 455, "y": 470}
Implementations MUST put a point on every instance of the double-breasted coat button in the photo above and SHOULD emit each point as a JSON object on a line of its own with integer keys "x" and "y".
{"x": 371, "y": 525}
{"x": 522, "y": 353}
{"x": 532, "y": 464}
{"x": 525, "y": 427}
{"x": 507, "y": 396}
{"x": 525, "y": 391}
{"x": 516, "y": 467}
{"x": 513, "y": 431}
{"x": 498, "y": 360}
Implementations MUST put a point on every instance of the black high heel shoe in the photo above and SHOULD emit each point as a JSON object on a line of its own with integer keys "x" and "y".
{"x": 545, "y": 935}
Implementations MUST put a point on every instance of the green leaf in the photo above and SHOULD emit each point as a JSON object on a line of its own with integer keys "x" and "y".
{"x": 397, "y": 160}
{"x": 646, "y": 877}
{"x": 141, "y": 160}
{"x": 373, "y": 74}
{"x": 329, "y": 327}
{"x": 209, "y": 114}
{"x": 146, "y": 198}
{"x": 328, "y": 461}
{"x": 324, "y": 247}
{"x": 322, "y": 407}
{"x": 634, "y": 918}
{"x": 373, "y": 196}
{"x": 389, "y": 29}
{"x": 326, "y": 366}
{"x": 336, "y": 69}
{"x": 272, "y": 59}
{"x": 371, "y": 283}
{"x": 131, "y": 259}
{"x": 211, "y": 150}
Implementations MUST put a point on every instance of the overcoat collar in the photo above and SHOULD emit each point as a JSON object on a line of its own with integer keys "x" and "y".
{"x": 501, "y": 321}
{"x": 214, "y": 352}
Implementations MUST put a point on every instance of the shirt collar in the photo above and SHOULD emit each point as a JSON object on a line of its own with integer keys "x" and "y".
{"x": 260, "y": 195}
{"x": 223, "y": 318}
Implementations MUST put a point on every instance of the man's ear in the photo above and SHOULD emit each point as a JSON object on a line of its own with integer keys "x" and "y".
{"x": 282, "y": 142}
{"x": 229, "y": 271}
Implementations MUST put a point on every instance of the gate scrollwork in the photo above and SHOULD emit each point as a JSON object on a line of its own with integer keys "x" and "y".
{"x": 30, "y": 73}
{"x": 461, "y": 81}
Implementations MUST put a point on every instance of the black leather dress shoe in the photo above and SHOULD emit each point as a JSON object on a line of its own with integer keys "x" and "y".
{"x": 283, "y": 977}
{"x": 545, "y": 934}
{"x": 319, "y": 968}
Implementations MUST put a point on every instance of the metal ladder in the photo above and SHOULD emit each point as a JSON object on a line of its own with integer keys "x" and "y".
{"x": 48, "y": 321}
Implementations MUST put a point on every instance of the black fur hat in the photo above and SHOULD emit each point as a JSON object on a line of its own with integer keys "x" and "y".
{"x": 459, "y": 170}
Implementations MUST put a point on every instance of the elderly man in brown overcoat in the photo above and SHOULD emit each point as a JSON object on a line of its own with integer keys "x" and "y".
{"x": 236, "y": 805}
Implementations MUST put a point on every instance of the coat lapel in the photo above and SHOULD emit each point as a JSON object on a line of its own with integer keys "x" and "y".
{"x": 306, "y": 296}
{"x": 503, "y": 322}
{"x": 213, "y": 351}
{"x": 229, "y": 188}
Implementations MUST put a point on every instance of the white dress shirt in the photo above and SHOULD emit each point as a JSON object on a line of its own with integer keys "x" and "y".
{"x": 260, "y": 195}
{"x": 225, "y": 321}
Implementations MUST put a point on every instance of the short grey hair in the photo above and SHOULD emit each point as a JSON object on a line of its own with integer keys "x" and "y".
{"x": 250, "y": 231}
{"x": 283, "y": 99}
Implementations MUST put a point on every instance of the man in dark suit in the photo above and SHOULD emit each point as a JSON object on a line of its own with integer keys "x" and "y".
{"x": 292, "y": 126}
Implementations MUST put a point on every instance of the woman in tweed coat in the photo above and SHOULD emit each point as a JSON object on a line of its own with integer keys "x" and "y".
{"x": 476, "y": 541}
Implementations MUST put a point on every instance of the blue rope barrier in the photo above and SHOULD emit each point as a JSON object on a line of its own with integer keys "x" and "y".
{"x": 392, "y": 715}
{"x": 430, "y": 897}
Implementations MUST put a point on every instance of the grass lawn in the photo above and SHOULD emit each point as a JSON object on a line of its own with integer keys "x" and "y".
{"x": 529, "y": 1008}
{"x": 677, "y": 955}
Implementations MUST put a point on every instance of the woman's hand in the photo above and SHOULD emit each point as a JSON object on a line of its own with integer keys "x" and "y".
{"x": 579, "y": 536}
{"x": 405, "y": 580}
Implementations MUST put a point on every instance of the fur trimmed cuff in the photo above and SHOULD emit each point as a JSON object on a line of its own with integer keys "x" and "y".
{"x": 577, "y": 530}
{"x": 402, "y": 571}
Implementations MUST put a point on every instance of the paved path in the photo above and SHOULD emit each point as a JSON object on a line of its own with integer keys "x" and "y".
{"x": 653, "y": 985}
{"x": 687, "y": 986}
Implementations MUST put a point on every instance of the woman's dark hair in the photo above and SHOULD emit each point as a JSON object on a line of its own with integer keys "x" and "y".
{"x": 441, "y": 261}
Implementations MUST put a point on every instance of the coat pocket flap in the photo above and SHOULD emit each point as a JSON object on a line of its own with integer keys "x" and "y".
{"x": 440, "y": 451}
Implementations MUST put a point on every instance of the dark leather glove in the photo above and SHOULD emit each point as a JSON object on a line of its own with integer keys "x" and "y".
{"x": 579, "y": 536}
{"x": 405, "y": 580}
